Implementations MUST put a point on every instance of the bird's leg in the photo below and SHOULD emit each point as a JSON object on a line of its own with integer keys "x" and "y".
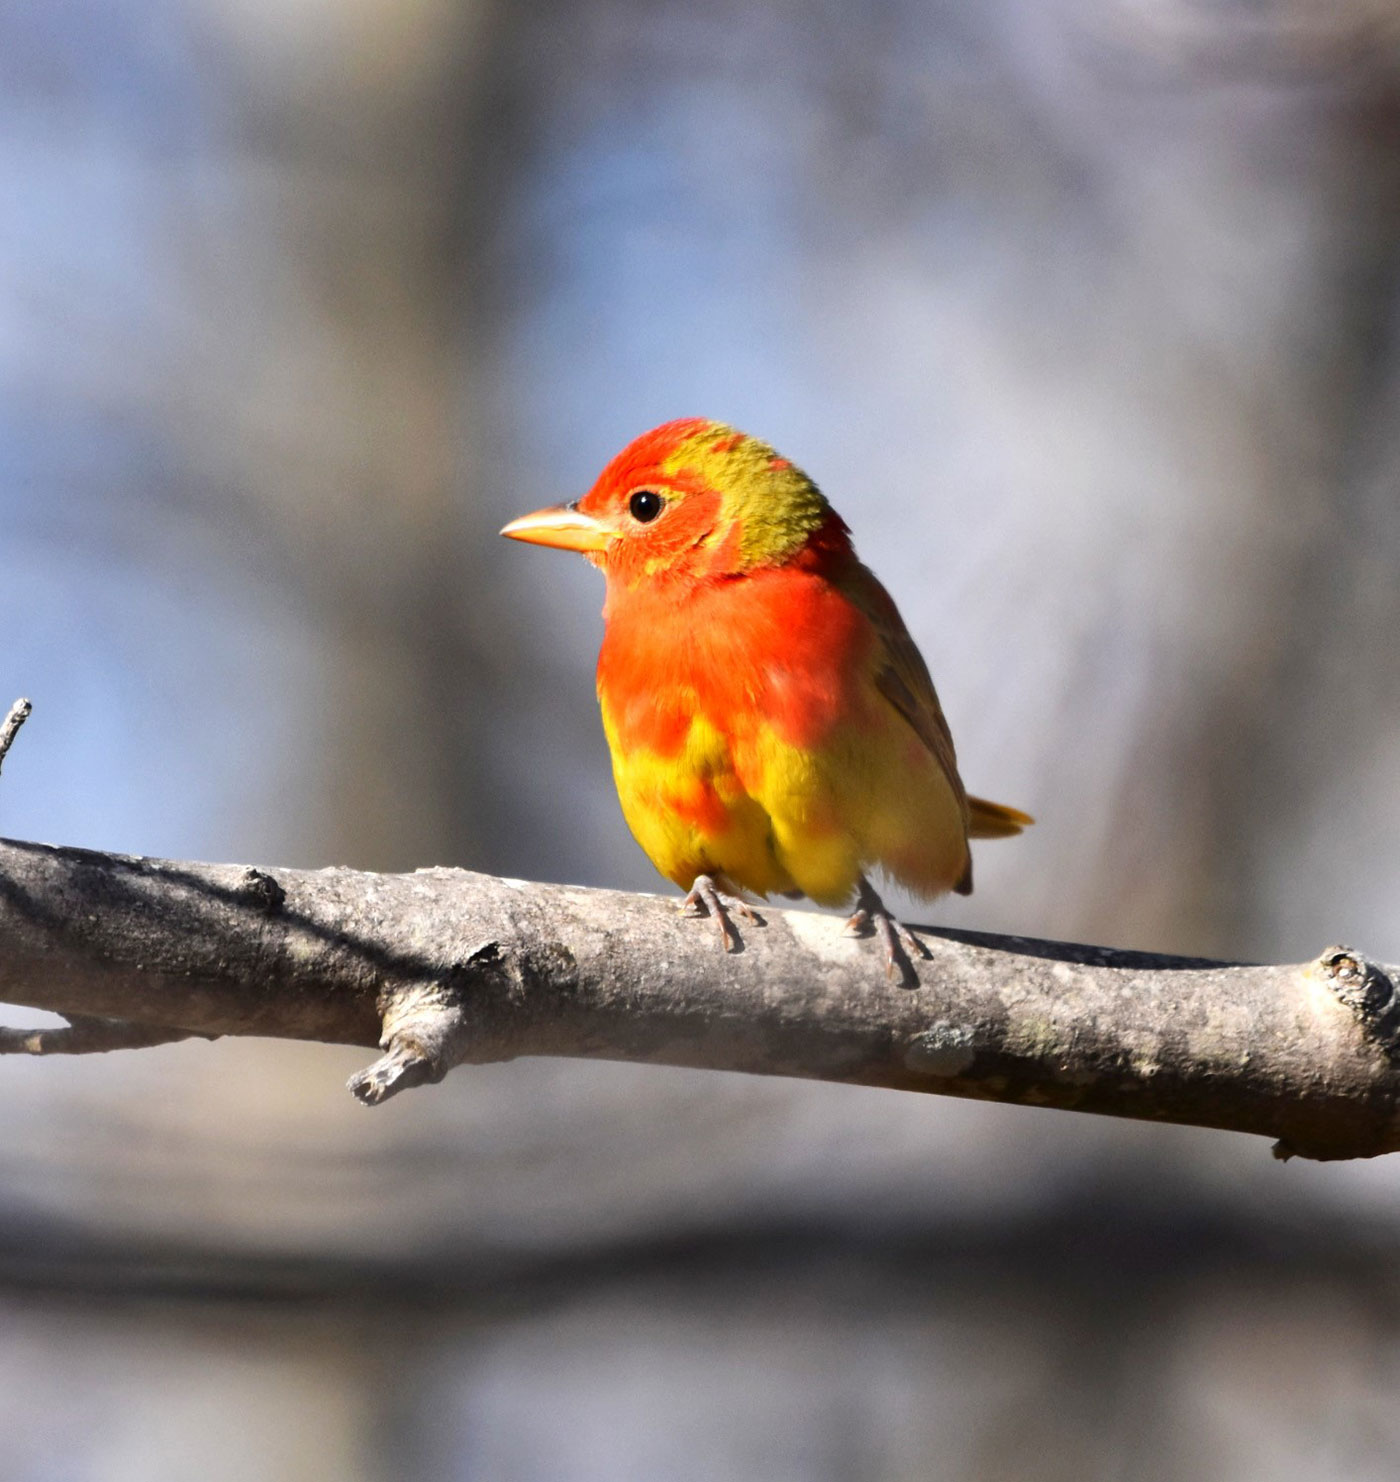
{"x": 707, "y": 899}
{"x": 901, "y": 945}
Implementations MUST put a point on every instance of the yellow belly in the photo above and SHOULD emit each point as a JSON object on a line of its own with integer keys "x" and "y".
{"x": 768, "y": 817}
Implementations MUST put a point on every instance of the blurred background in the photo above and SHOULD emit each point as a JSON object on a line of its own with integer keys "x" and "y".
{"x": 1085, "y": 314}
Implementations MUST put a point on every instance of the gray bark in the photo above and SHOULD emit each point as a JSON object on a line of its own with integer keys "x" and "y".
{"x": 445, "y": 967}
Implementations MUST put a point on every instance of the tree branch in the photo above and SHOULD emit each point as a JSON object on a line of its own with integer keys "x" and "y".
{"x": 444, "y": 967}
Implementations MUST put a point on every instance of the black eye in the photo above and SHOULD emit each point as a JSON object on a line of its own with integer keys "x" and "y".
{"x": 645, "y": 505}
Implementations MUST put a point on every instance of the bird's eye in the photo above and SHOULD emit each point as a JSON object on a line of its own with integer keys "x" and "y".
{"x": 645, "y": 505}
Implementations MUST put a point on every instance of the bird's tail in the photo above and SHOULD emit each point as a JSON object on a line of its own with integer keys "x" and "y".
{"x": 994, "y": 820}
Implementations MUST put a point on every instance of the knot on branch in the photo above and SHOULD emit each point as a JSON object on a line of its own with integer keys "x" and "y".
{"x": 1366, "y": 991}
{"x": 262, "y": 891}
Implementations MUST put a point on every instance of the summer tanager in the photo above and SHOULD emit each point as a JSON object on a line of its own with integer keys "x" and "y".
{"x": 773, "y": 727}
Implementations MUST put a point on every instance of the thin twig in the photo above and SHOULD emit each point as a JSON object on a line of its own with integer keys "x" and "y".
{"x": 90, "y": 1036}
{"x": 19, "y": 713}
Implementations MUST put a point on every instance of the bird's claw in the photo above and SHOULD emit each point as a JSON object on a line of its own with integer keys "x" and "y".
{"x": 707, "y": 899}
{"x": 901, "y": 945}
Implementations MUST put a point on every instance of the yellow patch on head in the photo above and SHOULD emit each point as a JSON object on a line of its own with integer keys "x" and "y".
{"x": 774, "y": 505}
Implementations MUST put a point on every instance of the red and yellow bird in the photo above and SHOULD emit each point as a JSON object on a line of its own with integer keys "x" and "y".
{"x": 773, "y": 727}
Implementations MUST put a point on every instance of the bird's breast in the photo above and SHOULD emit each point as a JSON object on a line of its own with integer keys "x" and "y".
{"x": 778, "y": 653}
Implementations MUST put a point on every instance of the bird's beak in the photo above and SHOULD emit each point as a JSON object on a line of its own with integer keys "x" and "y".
{"x": 563, "y": 526}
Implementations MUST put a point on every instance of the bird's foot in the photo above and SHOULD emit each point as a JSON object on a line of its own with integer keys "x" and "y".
{"x": 900, "y": 944}
{"x": 707, "y": 899}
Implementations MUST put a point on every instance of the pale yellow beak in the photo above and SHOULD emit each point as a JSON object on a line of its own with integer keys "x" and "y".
{"x": 562, "y": 526}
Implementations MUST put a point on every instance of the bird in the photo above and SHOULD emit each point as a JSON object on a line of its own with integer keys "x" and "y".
{"x": 772, "y": 724}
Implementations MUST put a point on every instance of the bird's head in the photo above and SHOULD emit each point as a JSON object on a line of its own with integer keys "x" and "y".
{"x": 691, "y": 499}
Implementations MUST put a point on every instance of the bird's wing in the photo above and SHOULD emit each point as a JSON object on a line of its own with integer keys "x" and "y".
{"x": 901, "y": 675}
{"x": 903, "y": 679}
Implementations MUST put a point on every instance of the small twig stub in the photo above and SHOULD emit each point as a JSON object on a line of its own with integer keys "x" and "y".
{"x": 19, "y": 713}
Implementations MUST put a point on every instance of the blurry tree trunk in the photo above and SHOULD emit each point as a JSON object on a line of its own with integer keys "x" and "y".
{"x": 368, "y": 180}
